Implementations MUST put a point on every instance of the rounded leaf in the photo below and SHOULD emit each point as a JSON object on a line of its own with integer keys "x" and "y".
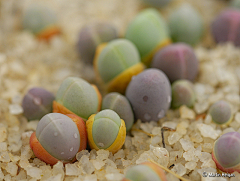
{"x": 37, "y": 18}
{"x": 91, "y": 36}
{"x": 221, "y": 112}
{"x": 121, "y": 106}
{"x": 183, "y": 93}
{"x": 59, "y": 136}
{"x": 147, "y": 31}
{"x": 36, "y": 103}
{"x": 177, "y": 61}
{"x": 149, "y": 94}
{"x": 78, "y": 96}
{"x": 226, "y": 151}
{"x": 115, "y": 58}
{"x": 105, "y": 128}
{"x": 186, "y": 25}
{"x": 226, "y": 27}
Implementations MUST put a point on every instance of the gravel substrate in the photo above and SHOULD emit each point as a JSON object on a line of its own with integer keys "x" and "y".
{"x": 26, "y": 62}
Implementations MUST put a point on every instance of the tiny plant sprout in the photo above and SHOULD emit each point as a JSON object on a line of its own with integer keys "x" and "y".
{"x": 221, "y": 112}
{"x": 41, "y": 21}
{"x": 106, "y": 131}
{"x": 77, "y": 96}
{"x": 226, "y": 27}
{"x": 177, "y": 61}
{"x": 150, "y": 95}
{"x": 121, "y": 106}
{"x": 59, "y": 137}
{"x": 116, "y": 63}
{"x": 91, "y": 36}
{"x": 156, "y": 3}
{"x": 149, "y": 32}
{"x": 36, "y": 103}
{"x": 183, "y": 93}
{"x": 186, "y": 25}
{"x": 226, "y": 152}
{"x": 146, "y": 171}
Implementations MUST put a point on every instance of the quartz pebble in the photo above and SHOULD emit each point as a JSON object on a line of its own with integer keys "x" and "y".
{"x": 186, "y": 113}
{"x": 72, "y": 169}
{"x": 15, "y": 109}
{"x": 191, "y": 165}
{"x": 34, "y": 172}
{"x": 186, "y": 144}
{"x": 3, "y": 134}
{"x": 179, "y": 169}
{"x": 207, "y": 131}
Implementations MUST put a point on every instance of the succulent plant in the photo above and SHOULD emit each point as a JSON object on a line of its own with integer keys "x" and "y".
{"x": 183, "y": 93}
{"x": 235, "y": 4}
{"x": 149, "y": 32}
{"x": 36, "y": 103}
{"x": 146, "y": 171}
{"x": 116, "y": 63}
{"x": 156, "y": 3}
{"x": 76, "y": 96}
{"x": 226, "y": 27}
{"x": 186, "y": 25}
{"x": 177, "y": 61}
{"x": 121, "y": 106}
{"x": 221, "y": 112}
{"x": 41, "y": 21}
{"x": 91, "y": 36}
{"x": 59, "y": 137}
{"x": 106, "y": 131}
{"x": 226, "y": 152}
{"x": 149, "y": 94}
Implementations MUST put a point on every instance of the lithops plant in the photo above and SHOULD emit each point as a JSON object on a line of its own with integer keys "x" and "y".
{"x": 59, "y": 137}
{"x": 149, "y": 32}
{"x": 221, "y": 112}
{"x": 116, "y": 62}
{"x": 226, "y": 152}
{"x": 41, "y": 21}
{"x": 77, "y": 96}
{"x": 36, "y": 103}
{"x": 149, "y": 94}
{"x": 226, "y": 27}
{"x": 91, "y": 36}
{"x": 183, "y": 94}
{"x": 177, "y": 61}
{"x": 106, "y": 130}
{"x": 186, "y": 25}
{"x": 121, "y": 106}
{"x": 157, "y": 3}
{"x": 146, "y": 171}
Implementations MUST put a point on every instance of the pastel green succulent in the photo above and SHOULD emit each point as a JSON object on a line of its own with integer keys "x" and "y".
{"x": 116, "y": 63}
{"x": 121, "y": 106}
{"x": 186, "y": 25}
{"x": 149, "y": 32}
{"x": 106, "y": 130}
{"x": 221, "y": 112}
{"x": 183, "y": 93}
{"x": 146, "y": 171}
{"x": 41, "y": 21}
{"x": 77, "y": 96}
